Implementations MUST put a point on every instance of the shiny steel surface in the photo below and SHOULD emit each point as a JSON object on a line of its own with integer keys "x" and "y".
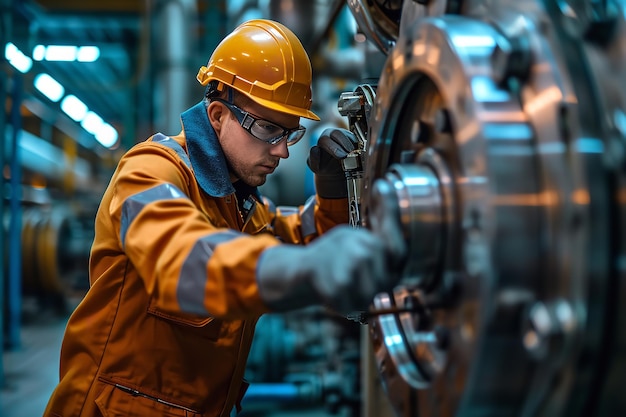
{"x": 379, "y": 20}
{"x": 356, "y": 106}
{"x": 502, "y": 133}
{"x": 420, "y": 203}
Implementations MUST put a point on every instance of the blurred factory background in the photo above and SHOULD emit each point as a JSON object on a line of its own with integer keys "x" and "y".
{"x": 82, "y": 82}
{"x": 496, "y": 128}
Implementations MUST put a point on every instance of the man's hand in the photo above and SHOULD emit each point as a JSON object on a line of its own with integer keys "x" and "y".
{"x": 333, "y": 145}
{"x": 343, "y": 269}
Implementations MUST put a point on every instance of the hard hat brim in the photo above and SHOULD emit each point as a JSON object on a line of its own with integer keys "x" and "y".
{"x": 283, "y": 108}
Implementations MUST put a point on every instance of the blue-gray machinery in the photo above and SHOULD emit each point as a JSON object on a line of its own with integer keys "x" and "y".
{"x": 498, "y": 128}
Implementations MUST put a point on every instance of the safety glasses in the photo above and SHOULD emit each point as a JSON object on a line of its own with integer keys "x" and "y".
{"x": 264, "y": 130}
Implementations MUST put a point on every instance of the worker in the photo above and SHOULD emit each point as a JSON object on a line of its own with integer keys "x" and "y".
{"x": 187, "y": 255}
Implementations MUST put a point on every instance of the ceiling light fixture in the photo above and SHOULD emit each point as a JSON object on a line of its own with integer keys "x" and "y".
{"x": 17, "y": 58}
{"x": 92, "y": 122}
{"x": 66, "y": 53}
{"x": 87, "y": 53}
{"x": 60, "y": 53}
{"x": 49, "y": 87}
{"x": 73, "y": 107}
{"x": 107, "y": 135}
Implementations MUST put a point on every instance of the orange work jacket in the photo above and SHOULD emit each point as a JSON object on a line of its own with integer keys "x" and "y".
{"x": 166, "y": 326}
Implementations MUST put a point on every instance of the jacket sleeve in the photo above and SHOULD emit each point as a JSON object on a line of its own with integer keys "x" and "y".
{"x": 190, "y": 265}
{"x": 300, "y": 225}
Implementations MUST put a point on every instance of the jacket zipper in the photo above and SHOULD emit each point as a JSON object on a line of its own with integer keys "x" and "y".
{"x": 250, "y": 213}
{"x": 136, "y": 393}
{"x": 249, "y": 208}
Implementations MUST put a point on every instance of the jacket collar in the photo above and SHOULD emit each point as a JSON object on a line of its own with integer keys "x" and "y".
{"x": 206, "y": 155}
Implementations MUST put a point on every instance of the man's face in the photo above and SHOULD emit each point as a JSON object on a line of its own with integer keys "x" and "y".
{"x": 251, "y": 159}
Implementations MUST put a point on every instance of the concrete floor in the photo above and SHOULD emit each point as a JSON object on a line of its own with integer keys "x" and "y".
{"x": 31, "y": 372}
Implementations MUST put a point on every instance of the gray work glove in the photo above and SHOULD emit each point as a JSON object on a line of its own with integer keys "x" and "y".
{"x": 324, "y": 159}
{"x": 343, "y": 269}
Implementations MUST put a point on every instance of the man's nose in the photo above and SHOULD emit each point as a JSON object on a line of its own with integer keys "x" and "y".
{"x": 280, "y": 149}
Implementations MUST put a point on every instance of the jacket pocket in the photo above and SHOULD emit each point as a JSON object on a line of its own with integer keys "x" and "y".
{"x": 205, "y": 327}
{"x": 120, "y": 401}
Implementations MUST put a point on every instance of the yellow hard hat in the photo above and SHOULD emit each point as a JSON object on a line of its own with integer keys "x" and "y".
{"x": 264, "y": 60}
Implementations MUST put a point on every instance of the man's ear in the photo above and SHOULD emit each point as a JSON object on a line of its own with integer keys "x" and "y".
{"x": 216, "y": 114}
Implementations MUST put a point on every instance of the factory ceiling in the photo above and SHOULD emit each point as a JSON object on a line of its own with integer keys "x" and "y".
{"x": 122, "y": 85}
{"x": 113, "y": 26}
{"x": 108, "y": 86}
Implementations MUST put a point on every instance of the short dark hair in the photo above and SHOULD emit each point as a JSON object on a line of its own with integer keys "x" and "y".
{"x": 238, "y": 99}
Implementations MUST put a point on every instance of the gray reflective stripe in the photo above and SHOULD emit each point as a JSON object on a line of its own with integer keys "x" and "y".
{"x": 135, "y": 203}
{"x": 307, "y": 217}
{"x": 193, "y": 274}
{"x": 172, "y": 144}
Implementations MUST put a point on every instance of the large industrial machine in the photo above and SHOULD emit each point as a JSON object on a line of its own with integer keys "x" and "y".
{"x": 497, "y": 129}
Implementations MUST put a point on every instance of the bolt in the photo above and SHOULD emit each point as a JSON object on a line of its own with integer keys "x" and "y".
{"x": 547, "y": 327}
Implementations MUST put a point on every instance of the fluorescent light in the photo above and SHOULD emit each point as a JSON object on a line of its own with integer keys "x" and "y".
{"x": 88, "y": 53}
{"x": 66, "y": 53}
{"x": 61, "y": 53}
{"x": 17, "y": 58}
{"x": 107, "y": 135}
{"x": 49, "y": 87}
{"x": 74, "y": 108}
{"x": 39, "y": 53}
{"x": 104, "y": 132}
{"x": 10, "y": 50}
{"x": 92, "y": 123}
